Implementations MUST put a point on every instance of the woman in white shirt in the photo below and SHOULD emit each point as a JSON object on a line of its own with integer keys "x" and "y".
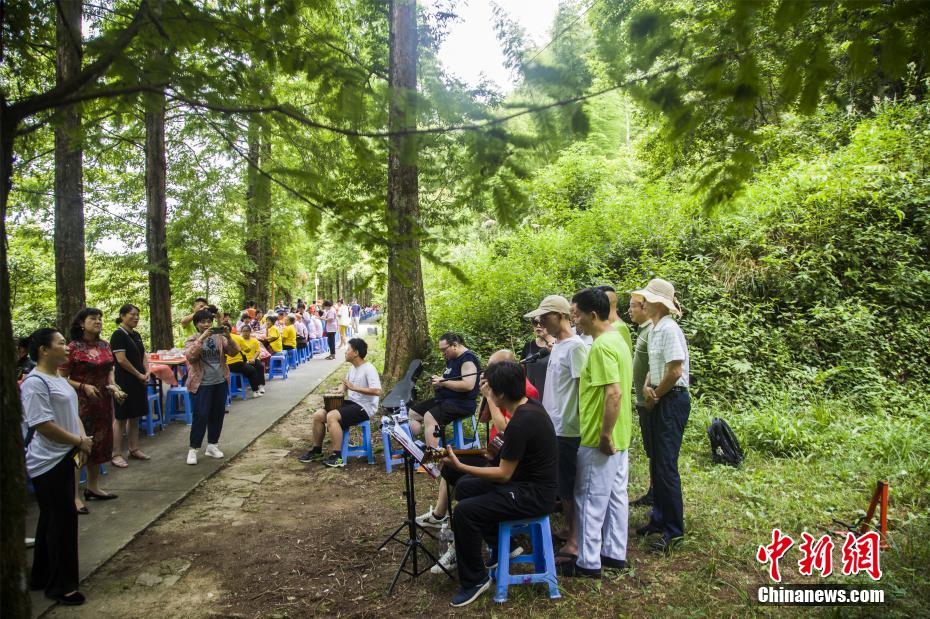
{"x": 55, "y": 441}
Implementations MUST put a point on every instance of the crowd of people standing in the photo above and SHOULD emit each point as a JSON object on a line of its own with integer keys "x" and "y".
{"x": 82, "y": 394}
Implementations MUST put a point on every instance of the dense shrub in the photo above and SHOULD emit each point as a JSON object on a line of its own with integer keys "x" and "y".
{"x": 815, "y": 281}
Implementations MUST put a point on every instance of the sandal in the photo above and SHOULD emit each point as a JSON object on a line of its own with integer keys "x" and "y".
{"x": 119, "y": 462}
{"x": 138, "y": 455}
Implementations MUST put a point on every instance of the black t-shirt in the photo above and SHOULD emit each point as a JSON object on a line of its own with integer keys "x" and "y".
{"x": 530, "y": 439}
{"x": 536, "y": 371}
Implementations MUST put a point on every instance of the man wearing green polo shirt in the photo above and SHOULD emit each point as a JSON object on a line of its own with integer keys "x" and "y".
{"x": 606, "y": 421}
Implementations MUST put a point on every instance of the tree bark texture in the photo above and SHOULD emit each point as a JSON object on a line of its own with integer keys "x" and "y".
{"x": 407, "y": 335}
{"x": 14, "y": 596}
{"x": 70, "y": 296}
{"x": 258, "y": 218}
{"x": 156, "y": 223}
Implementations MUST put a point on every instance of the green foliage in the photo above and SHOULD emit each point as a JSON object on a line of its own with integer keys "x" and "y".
{"x": 816, "y": 284}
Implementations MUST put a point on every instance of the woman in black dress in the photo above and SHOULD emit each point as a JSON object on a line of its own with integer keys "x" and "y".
{"x": 132, "y": 376}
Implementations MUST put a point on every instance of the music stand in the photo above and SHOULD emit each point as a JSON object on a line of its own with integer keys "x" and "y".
{"x": 414, "y": 541}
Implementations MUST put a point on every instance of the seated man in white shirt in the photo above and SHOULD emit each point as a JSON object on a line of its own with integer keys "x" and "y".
{"x": 362, "y": 390}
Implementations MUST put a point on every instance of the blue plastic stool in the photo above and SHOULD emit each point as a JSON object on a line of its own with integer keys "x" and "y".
{"x": 349, "y": 332}
{"x": 392, "y": 457}
{"x": 316, "y": 346}
{"x": 542, "y": 557}
{"x": 277, "y": 366}
{"x": 154, "y": 415}
{"x": 292, "y": 359}
{"x": 236, "y": 386}
{"x": 360, "y": 451}
{"x": 186, "y": 409}
{"x": 459, "y": 440}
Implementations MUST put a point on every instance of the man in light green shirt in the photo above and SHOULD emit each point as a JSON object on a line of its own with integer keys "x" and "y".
{"x": 605, "y": 417}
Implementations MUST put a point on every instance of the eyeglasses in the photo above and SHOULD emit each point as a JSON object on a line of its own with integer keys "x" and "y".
{"x": 537, "y": 322}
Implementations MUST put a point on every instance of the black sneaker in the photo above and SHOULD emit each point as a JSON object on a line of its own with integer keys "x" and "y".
{"x": 648, "y": 529}
{"x": 571, "y": 569}
{"x": 311, "y": 455}
{"x": 334, "y": 461}
{"x": 612, "y": 564}
{"x": 466, "y": 596}
{"x": 645, "y": 500}
{"x": 663, "y": 545}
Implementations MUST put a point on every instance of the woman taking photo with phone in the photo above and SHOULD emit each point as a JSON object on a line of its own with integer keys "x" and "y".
{"x": 208, "y": 381}
{"x": 55, "y": 437}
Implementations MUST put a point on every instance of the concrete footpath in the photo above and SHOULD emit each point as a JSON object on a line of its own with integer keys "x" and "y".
{"x": 148, "y": 489}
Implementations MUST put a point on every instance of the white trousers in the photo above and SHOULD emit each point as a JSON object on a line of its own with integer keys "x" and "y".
{"x": 602, "y": 506}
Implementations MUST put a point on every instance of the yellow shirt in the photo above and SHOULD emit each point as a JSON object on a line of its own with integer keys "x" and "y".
{"x": 250, "y": 347}
{"x": 290, "y": 336}
{"x": 272, "y": 332}
{"x": 230, "y": 359}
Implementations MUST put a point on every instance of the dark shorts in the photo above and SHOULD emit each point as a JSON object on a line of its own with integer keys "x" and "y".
{"x": 351, "y": 414}
{"x": 443, "y": 411}
{"x": 568, "y": 465}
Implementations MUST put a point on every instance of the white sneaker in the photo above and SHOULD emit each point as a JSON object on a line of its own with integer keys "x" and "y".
{"x": 447, "y": 560}
{"x": 261, "y": 390}
{"x": 428, "y": 520}
{"x": 256, "y": 394}
{"x": 192, "y": 456}
{"x": 213, "y": 451}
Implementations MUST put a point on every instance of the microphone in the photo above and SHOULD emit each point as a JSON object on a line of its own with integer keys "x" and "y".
{"x": 536, "y": 356}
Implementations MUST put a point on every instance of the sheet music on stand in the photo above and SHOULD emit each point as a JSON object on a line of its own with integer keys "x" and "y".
{"x": 395, "y": 428}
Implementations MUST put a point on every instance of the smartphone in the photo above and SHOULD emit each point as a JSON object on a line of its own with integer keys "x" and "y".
{"x": 217, "y": 329}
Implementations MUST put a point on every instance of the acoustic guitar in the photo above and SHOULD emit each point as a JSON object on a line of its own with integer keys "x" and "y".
{"x": 434, "y": 454}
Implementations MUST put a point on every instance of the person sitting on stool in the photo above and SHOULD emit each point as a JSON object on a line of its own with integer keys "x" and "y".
{"x": 523, "y": 485}
{"x": 456, "y": 390}
{"x": 362, "y": 388}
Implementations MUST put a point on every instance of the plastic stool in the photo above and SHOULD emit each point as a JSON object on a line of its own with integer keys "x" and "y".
{"x": 151, "y": 418}
{"x": 236, "y": 386}
{"x": 542, "y": 557}
{"x": 185, "y": 411}
{"x": 292, "y": 358}
{"x": 360, "y": 451}
{"x": 316, "y": 346}
{"x": 392, "y": 457}
{"x": 277, "y": 366}
{"x": 459, "y": 440}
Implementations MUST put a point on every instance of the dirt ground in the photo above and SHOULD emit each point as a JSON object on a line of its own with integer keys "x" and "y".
{"x": 268, "y": 536}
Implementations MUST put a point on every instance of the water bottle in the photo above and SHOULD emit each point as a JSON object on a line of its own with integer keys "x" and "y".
{"x": 402, "y": 412}
{"x": 446, "y": 538}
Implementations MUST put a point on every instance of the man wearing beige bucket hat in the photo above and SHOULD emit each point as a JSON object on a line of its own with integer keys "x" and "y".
{"x": 669, "y": 405}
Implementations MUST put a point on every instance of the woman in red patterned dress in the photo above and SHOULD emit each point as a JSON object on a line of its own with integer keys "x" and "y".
{"x": 89, "y": 369}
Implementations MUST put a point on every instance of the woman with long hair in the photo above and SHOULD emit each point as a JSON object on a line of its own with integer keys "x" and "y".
{"x": 55, "y": 442}
{"x": 132, "y": 376}
{"x": 89, "y": 369}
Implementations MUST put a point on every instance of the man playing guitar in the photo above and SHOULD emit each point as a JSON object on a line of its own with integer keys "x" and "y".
{"x": 522, "y": 485}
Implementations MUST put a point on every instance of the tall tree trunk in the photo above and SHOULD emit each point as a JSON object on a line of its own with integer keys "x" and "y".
{"x": 259, "y": 285}
{"x": 14, "y": 597}
{"x": 407, "y": 335}
{"x": 69, "y": 175}
{"x": 156, "y": 223}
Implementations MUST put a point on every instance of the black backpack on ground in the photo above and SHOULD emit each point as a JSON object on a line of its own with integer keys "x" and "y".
{"x": 724, "y": 448}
